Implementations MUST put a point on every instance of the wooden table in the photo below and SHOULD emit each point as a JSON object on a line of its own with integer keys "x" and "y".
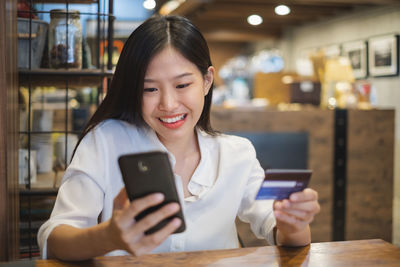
{"x": 374, "y": 252}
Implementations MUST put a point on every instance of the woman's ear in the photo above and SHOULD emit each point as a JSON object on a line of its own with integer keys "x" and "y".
{"x": 208, "y": 79}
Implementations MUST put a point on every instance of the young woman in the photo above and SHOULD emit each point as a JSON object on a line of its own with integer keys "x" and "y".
{"x": 160, "y": 99}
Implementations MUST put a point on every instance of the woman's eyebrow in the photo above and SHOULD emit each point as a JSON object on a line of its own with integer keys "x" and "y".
{"x": 183, "y": 75}
{"x": 147, "y": 80}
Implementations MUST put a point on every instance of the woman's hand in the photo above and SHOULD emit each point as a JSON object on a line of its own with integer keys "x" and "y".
{"x": 293, "y": 217}
{"x": 127, "y": 234}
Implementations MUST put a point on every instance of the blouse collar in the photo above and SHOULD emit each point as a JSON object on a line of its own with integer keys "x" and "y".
{"x": 200, "y": 176}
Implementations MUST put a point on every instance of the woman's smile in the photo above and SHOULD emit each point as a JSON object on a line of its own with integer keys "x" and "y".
{"x": 174, "y": 121}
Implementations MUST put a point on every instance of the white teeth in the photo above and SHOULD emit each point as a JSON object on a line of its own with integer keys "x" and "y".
{"x": 174, "y": 119}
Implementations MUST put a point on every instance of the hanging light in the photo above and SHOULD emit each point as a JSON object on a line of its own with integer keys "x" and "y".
{"x": 254, "y": 19}
{"x": 149, "y": 4}
{"x": 282, "y": 10}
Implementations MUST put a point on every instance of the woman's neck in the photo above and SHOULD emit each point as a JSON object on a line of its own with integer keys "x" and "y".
{"x": 183, "y": 147}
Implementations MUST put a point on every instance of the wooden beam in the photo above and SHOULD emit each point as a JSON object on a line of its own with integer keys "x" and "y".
{"x": 244, "y": 6}
{"x": 235, "y": 16}
{"x": 345, "y": 2}
{"x": 9, "y": 201}
{"x": 237, "y": 36}
{"x": 185, "y": 8}
{"x": 316, "y": 2}
{"x": 241, "y": 24}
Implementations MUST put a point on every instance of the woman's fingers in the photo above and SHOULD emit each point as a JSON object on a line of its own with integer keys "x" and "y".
{"x": 302, "y": 215}
{"x": 141, "y": 204}
{"x": 307, "y": 194}
{"x": 123, "y": 219}
{"x": 286, "y": 221}
{"x": 150, "y": 242}
{"x": 154, "y": 218}
{"x": 121, "y": 200}
{"x": 295, "y": 213}
{"x": 309, "y": 206}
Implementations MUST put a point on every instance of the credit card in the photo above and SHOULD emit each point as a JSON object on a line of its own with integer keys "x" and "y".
{"x": 279, "y": 184}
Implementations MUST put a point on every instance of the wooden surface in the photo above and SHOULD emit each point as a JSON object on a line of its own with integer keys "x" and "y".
{"x": 319, "y": 124}
{"x": 370, "y": 174}
{"x": 349, "y": 253}
{"x": 8, "y": 130}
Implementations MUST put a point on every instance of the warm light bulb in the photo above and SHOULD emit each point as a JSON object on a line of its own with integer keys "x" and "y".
{"x": 282, "y": 10}
{"x": 254, "y": 20}
{"x": 149, "y": 4}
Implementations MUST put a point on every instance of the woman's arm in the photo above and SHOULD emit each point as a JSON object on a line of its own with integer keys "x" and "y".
{"x": 70, "y": 243}
{"x": 120, "y": 232}
{"x": 293, "y": 218}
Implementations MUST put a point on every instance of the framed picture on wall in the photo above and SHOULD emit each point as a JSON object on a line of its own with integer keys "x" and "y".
{"x": 383, "y": 55}
{"x": 357, "y": 53}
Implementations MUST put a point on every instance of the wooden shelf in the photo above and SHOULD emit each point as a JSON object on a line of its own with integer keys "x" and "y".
{"x": 46, "y": 184}
{"x": 60, "y": 77}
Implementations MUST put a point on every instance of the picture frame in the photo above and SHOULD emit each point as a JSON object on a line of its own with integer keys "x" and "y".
{"x": 383, "y": 55}
{"x": 357, "y": 52}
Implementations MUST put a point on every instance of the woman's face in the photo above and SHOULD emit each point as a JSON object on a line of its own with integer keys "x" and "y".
{"x": 173, "y": 97}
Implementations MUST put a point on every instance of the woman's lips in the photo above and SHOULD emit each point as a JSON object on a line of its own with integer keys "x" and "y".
{"x": 174, "y": 121}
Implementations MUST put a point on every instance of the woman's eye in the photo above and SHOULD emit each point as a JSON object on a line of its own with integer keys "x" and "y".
{"x": 180, "y": 86}
{"x": 150, "y": 89}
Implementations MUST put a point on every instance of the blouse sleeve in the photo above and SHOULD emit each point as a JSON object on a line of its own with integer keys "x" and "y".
{"x": 81, "y": 194}
{"x": 259, "y": 213}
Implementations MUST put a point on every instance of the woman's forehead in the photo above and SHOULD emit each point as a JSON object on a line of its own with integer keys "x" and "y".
{"x": 169, "y": 62}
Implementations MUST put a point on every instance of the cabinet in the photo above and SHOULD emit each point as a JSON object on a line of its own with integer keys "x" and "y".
{"x": 54, "y": 107}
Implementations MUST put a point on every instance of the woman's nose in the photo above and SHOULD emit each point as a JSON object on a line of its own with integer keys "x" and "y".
{"x": 168, "y": 101}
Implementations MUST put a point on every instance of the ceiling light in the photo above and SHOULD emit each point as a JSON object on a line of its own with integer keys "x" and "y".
{"x": 282, "y": 10}
{"x": 170, "y": 6}
{"x": 254, "y": 19}
{"x": 149, "y": 4}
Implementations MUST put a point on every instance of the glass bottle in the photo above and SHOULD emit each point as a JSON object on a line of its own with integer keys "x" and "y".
{"x": 65, "y": 39}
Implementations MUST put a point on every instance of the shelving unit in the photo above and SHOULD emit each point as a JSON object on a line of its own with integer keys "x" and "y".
{"x": 53, "y": 77}
{"x": 55, "y": 104}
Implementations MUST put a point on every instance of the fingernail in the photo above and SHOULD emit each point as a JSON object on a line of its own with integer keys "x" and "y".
{"x": 174, "y": 207}
{"x": 159, "y": 196}
{"x": 176, "y": 222}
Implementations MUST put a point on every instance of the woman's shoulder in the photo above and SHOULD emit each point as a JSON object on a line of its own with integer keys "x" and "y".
{"x": 113, "y": 127}
{"x": 235, "y": 140}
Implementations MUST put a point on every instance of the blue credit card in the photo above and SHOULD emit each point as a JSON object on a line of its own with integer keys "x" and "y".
{"x": 279, "y": 184}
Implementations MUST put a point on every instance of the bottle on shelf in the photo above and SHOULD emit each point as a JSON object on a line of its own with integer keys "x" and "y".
{"x": 65, "y": 39}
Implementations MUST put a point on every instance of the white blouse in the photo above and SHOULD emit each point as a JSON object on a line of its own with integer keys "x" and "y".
{"x": 223, "y": 186}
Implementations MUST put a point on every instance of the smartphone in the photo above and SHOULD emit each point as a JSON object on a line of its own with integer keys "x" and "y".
{"x": 147, "y": 173}
{"x": 279, "y": 184}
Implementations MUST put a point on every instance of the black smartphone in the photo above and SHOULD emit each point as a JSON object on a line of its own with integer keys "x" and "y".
{"x": 147, "y": 173}
{"x": 279, "y": 184}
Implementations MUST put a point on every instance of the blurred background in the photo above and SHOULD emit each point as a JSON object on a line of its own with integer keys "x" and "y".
{"x": 312, "y": 83}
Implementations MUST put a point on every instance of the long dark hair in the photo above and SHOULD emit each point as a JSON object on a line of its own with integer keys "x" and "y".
{"x": 123, "y": 100}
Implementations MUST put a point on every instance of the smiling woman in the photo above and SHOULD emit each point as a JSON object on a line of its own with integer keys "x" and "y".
{"x": 173, "y": 98}
{"x": 160, "y": 99}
